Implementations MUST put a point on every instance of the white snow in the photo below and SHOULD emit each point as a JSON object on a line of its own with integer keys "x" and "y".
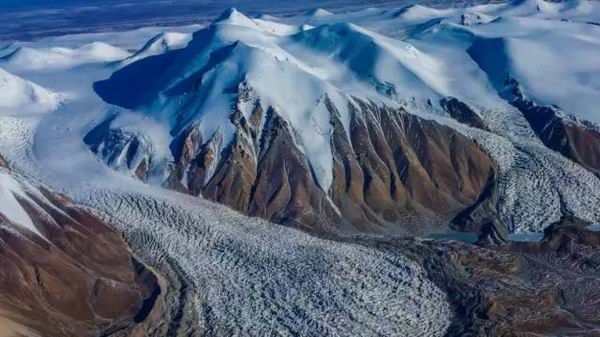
{"x": 11, "y": 193}
{"x": 276, "y": 28}
{"x": 56, "y": 58}
{"x": 21, "y": 97}
{"x": 318, "y": 13}
{"x": 418, "y": 13}
{"x": 159, "y": 44}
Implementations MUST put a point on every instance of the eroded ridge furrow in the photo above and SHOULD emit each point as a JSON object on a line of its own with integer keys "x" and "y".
{"x": 247, "y": 277}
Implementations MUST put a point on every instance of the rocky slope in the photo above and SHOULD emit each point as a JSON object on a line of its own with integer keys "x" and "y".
{"x": 394, "y": 168}
{"x": 64, "y": 271}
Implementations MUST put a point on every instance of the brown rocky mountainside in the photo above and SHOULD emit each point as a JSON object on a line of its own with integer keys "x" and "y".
{"x": 575, "y": 140}
{"x": 74, "y": 278}
{"x": 395, "y": 167}
{"x": 392, "y": 167}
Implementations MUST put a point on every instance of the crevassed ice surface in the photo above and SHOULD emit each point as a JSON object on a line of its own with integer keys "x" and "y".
{"x": 252, "y": 278}
{"x": 420, "y": 52}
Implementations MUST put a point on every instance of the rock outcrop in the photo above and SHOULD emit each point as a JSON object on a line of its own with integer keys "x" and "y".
{"x": 462, "y": 113}
{"x": 575, "y": 139}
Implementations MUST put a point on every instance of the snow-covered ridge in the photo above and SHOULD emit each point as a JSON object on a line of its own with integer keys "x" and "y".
{"x": 159, "y": 44}
{"x": 27, "y": 58}
{"x": 291, "y": 73}
{"x": 318, "y": 12}
{"x": 21, "y": 97}
{"x": 12, "y": 194}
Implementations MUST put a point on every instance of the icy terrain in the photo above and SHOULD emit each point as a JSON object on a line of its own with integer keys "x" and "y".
{"x": 252, "y": 278}
{"x": 243, "y": 276}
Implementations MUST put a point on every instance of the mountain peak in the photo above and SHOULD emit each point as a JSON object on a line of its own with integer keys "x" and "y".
{"x": 232, "y": 16}
{"x": 319, "y": 12}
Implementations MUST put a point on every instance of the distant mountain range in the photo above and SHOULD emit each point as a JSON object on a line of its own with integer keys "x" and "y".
{"x": 39, "y": 18}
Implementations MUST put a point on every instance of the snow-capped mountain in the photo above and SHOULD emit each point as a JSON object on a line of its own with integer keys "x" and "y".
{"x": 275, "y": 126}
{"x": 338, "y": 126}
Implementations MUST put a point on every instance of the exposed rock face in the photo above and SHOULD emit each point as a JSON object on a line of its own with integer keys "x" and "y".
{"x": 462, "y": 113}
{"x": 121, "y": 150}
{"x": 576, "y": 140}
{"x": 394, "y": 168}
{"x": 76, "y": 277}
{"x": 483, "y": 217}
{"x": 3, "y": 163}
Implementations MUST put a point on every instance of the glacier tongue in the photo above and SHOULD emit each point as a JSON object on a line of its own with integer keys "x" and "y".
{"x": 247, "y": 277}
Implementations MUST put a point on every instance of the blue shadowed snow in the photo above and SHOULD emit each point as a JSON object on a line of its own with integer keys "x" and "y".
{"x": 133, "y": 85}
{"x": 490, "y": 55}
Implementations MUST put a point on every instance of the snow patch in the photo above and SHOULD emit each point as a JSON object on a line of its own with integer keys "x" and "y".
{"x": 11, "y": 192}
